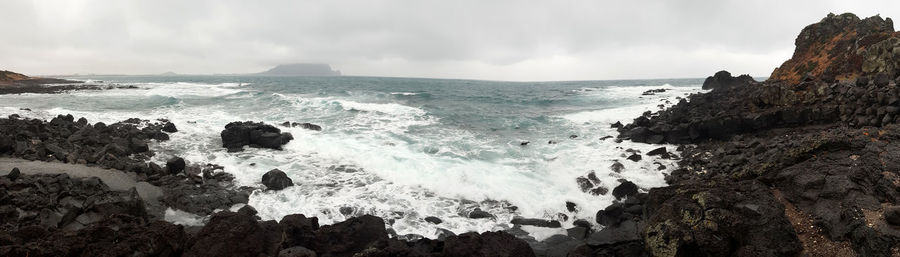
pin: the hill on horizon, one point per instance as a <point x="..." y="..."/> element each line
<point x="302" y="69"/>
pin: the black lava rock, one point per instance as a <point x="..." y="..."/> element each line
<point x="169" y="127"/>
<point x="433" y="220"/>
<point x="175" y="165"/>
<point x="276" y="180"/>
<point x="626" y="189"/>
<point x="255" y="134"/>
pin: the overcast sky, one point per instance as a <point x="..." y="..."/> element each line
<point x="495" y="40"/>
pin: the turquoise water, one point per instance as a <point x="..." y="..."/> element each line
<point x="417" y="147"/>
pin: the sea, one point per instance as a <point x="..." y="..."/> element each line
<point x="399" y="148"/>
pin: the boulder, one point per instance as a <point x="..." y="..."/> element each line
<point x="276" y="180"/>
<point x="724" y="80"/>
<point x="255" y="134"/>
<point x="617" y="167"/>
<point x="236" y="234"/>
<point x="299" y="230"/>
<point x="477" y="213"/>
<point x="634" y="157"/>
<point x="169" y="127"/>
<point x="657" y="151"/>
<point x="611" y="215"/>
<point x="488" y="244"/>
<point x="625" y="189"/>
<point x="175" y="165"/>
<point x="433" y="220"/>
<point x="13" y="174"/>
<point x="352" y="236"/>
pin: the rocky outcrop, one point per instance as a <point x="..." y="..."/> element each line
<point x="799" y="164"/>
<point x="55" y="215"/>
<point x="736" y="219"/>
<point x="255" y="134"/>
<point x="122" y="146"/>
<point x="841" y="47"/>
<point x="723" y="80"/>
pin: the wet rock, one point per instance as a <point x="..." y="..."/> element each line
<point x="351" y="236"/>
<point x="308" y="126"/>
<point x="175" y="165"/>
<point x="617" y="167"/>
<point x="524" y="143"/>
<point x="13" y="174"/>
<point x="657" y="151"/>
<point x="536" y="222"/>
<point x="236" y="234"/>
<point x="238" y="134"/>
<point x="635" y="157"/>
<point x="599" y="190"/>
<point x="276" y="180"/>
<point x="477" y="213"/>
<point x="488" y="244"/>
<point x="582" y="223"/>
<point x="625" y="189"/>
<point x="169" y="127"/>
<point x="184" y="194"/>
<point x="611" y="215"/>
<point x="618" y="124"/>
<point x="584" y="183"/>
<point x="299" y="230"/>
<point x="139" y="146"/>
<point x="433" y="220"/>
<point x="571" y="207"/>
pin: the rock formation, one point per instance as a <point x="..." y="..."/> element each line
<point x="842" y="47"/>
<point x="255" y="134"/>
<point x="802" y="164"/>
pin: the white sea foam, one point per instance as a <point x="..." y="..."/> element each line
<point x="179" y="217"/>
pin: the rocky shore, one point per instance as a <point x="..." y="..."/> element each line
<point x="803" y="164"/>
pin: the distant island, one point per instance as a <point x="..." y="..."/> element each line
<point x="302" y="69"/>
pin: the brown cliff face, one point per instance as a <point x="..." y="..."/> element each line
<point x="843" y="47"/>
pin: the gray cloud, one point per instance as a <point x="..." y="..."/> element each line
<point x="503" y="40"/>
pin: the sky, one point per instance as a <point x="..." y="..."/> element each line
<point x="491" y="40"/>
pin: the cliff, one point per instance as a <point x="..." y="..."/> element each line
<point x="302" y="69"/>
<point x="843" y="47"/>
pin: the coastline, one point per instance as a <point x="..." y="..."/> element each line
<point x="799" y="165"/>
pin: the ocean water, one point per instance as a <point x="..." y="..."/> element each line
<point x="399" y="148"/>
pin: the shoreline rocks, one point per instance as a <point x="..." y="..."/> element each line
<point x="254" y="134"/>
